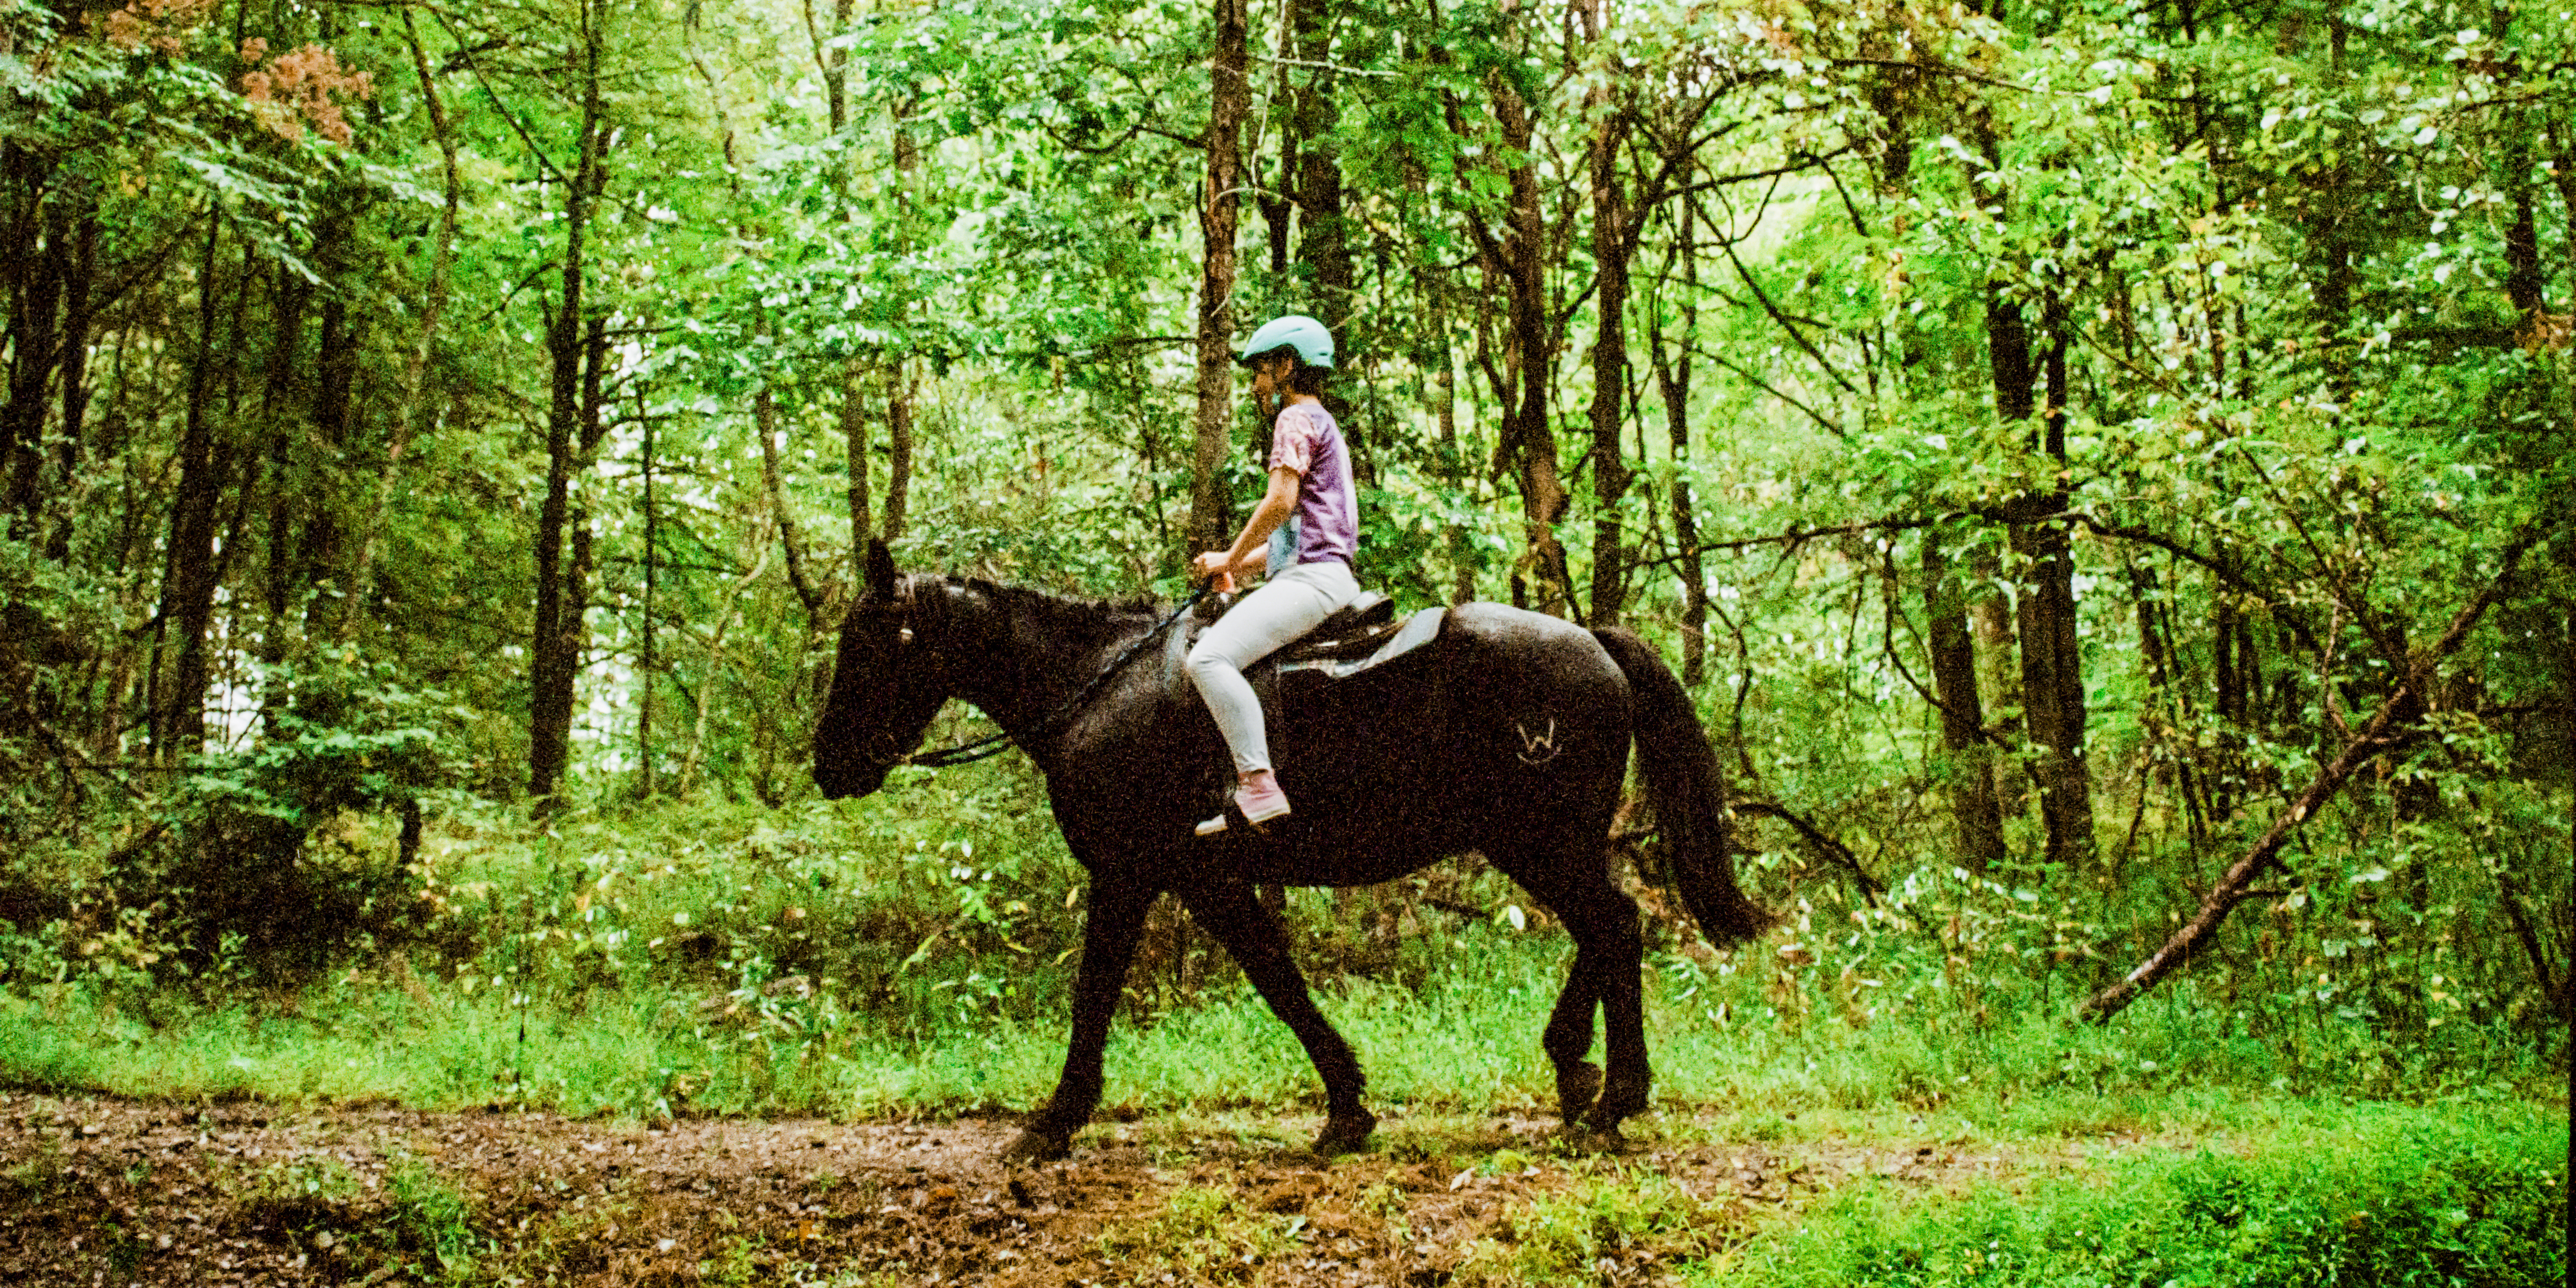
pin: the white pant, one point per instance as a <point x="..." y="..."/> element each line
<point x="1267" y="620"/>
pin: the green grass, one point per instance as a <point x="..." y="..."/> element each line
<point x="1461" y="1039"/>
<point x="2465" y="1194"/>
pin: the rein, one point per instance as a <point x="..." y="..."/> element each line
<point x="995" y="744"/>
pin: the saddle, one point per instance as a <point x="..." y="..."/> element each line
<point x="1360" y="636"/>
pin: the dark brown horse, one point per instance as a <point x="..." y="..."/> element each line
<point x="1508" y="736"/>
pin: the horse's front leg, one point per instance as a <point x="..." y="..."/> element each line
<point x="1228" y="911"/>
<point x="1108" y="944"/>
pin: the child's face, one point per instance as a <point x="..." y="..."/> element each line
<point x="1270" y="379"/>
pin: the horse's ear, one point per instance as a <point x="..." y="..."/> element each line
<point x="880" y="570"/>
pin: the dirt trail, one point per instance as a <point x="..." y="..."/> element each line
<point x="99" y="1191"/>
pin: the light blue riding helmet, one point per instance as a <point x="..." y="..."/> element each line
<point x="1314" y="344"/>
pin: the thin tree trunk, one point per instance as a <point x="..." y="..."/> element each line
<point x="188" y="587"/>
<point x="442" y="258"/>
<point x="1278" y="201"/>
<point x="854" y="446"/>
<point x="2524" y="283"/>
<point x="1610" y="473"/>
<point x="647" y="662"/>
<point x="1323" y="235"/>
<point x="75" y="381"/>
<point x="1230" y="96"/>
<point x="322" y="552"/>
<point x="1954" y="688"/>
<point x="764" y="420"/>
<point x="1673" y="381"/>
<point x="290" y="297"/>
<point x="899" y="401"/>
<point x="898" y="450"/>
<point x="40" y="251"/>
<point x="550" y="672"/>
<point x="2051" y="655"/>
<point x="1528" y="440"/>
<point x="577" y="576"/>
<point x="1444" y="412"/>
<point x="836" y="66"/>
<point x="2052" y="681"/>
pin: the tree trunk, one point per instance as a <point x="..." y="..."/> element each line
<point x="1444" y="412"/>
<point x="647" y="661"/>
<point x="1277" y="200"/>
<point x="2051" y="654"/>
<point x="1673" y="381"/>
<point x="575" y="621"/>
<point x="75" y="381"/>
<point x="836" y="67"/>
<point x="1610" y="474"/>
<point x="1954" y="688"/>
<point x="35" y="299"/>
<point x="2524" y="283"/>
<point x="188" y="587"/>
<point x="854" y="443"/>
<point x="907" y="160"/>
<point x="323" y="553"/>
<point x="1323" y="233"/>
<point x="290" y="297"/>
<point x="1230" y="96"/>
<point x="898" y="450"/>
<point x="550" y="670"/>
<point x="1528" y="440"/>
<point x="442" y="257"/>
<point x="764" y="422"/>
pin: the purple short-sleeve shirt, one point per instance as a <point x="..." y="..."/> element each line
<point x="1326" y="522"/>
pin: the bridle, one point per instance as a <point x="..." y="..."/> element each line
<point x="994" y="744"/>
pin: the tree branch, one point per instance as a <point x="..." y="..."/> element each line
<point x="2379" y="736"/>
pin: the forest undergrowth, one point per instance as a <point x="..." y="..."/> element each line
<point x="907" y="960"/>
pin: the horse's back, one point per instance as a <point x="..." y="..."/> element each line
<point x="1512" y="727"/>
<point x="1513" y="724"/>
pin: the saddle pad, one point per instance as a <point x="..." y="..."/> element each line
<point x="1418" y="630"/>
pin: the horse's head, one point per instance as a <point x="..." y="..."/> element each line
<point x="884" y="687"/>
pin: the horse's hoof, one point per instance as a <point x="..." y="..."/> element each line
<point x="1618" y="1103"/>
<point x="1345" y="1135"/>
<point x="1035" y="1146"/>
<point x="1577" y="1086"/>
<point x="1590" y="1139"/>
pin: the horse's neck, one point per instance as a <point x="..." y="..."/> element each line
<point x="1020" y="660"/>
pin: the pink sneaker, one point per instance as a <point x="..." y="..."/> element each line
<point x="1259" y="798"/>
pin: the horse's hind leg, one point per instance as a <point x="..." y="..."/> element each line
<point x="1228" y="911"/>
<point x="1108" y="944"/>
<point x="1609" y="955"/>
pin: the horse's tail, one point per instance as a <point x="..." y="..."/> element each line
<point x="1682" y="786"/>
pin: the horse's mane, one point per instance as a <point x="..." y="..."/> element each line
<point x="1053" y="620"/>
<point x="1047" y="603"/>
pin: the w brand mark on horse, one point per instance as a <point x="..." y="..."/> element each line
<point x="1538" y="749"/>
